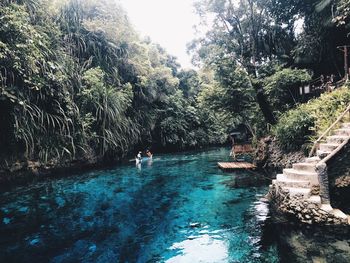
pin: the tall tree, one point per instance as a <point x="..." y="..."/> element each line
<point x="243" y="31"/>
<point x="243" y="34"/>
<point x="317" y="43"/>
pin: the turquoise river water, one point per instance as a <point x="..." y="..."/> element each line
<point x="176" y="208"/>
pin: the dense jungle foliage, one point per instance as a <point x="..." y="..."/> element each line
<point x="78" y="82"/>
<point x="280" y="46"/>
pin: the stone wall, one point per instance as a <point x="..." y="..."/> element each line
<point x="269" y="155"/>
<point x="339" y="179"/>
<point x="302" y="210"/>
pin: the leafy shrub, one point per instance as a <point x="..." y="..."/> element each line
<point x="279" y="88"/>
<point x="293" y="128"/>
<point x="327" y="109"/>
<point x="308" y="121"/>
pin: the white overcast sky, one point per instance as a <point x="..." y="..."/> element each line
<point x="167" y="22"/>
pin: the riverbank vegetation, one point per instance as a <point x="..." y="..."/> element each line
<point x="77" y="82"/>
<point x="282" y="48"/>
<point x="305" y="123"/>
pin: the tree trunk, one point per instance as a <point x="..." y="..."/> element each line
<point x="264" y="105"/>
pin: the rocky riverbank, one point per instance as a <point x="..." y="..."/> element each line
<point x="270" y="156"/>
<point x="26" y="170"/>
<point x="293" y="195"/>
<point x="309" y="211"/>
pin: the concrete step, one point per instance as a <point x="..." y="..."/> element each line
<point x="308" y="167"/>
<point x="342" y="131"/>
<point x="337" y="138"/>
<point x="328" y="147"/>
<point x="293" y="191"/>
<point x="346" y="125"/>
<point x="322" y="154"/>
<point x="326" y="207"/>
<point x="338" y="213"/>
<point x="314" y="159"/>
<point x="301" y="175"/>
<point x="283" y="181"/>
<point x="315" y="199"/>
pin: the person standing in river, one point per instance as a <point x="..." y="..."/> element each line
<point x="139" y="157"/>
<point x="149" y="154"/>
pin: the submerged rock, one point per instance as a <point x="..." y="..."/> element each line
<point x="300" y="243"/>
<point x="195" y="225"/>
<point x="34" y="241"/>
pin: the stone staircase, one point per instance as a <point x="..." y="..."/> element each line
<point x="302" y="181"/>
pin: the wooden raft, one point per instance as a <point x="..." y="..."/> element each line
<point x="236" y="165"/>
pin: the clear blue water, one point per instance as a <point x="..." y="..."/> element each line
<point x="176" y="208"/>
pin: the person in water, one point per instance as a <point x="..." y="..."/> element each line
<point x="149" y="154"/>
<point x="139" y="156"/>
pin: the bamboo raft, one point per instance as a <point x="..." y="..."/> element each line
<point x="235" y="165"/>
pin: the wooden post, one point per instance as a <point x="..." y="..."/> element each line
<point x="346" y="62"/>
<point x="346" y="67"/>
<point x="232" y="153"/>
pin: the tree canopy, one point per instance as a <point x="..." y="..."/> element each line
<point x="78" y="82"/>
